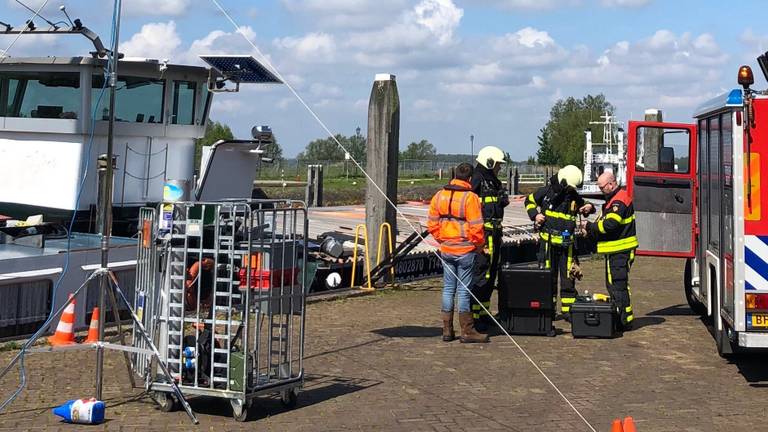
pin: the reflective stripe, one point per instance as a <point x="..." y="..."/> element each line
<point x="490" y="199"/>
<point x="628" y="309"/>
<point x="618" y="218"/>
<point x="620" y="245"/>
<point x="630" y="318"/>
<point x="458" y="243"/>
<point x="600" y="226"/>
<point x="433" y="218"/>
<point x="487" y="304"/>
<point x="608" y="271"/>
<point x="569" y="263"/>
<point x="568" y="300"/>
<point x="475" y="307"/>
<point x="475" y="221"/>
<point x="565" y="309"/>
<point x="555" y="239"/>
<point x="559" y="215"/>
<point x="462" y="205"/>
<point x="490" y="251"/>
<point x="530" y="206"/>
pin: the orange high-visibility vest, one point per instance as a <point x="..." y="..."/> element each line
<point x="455" y="219"/>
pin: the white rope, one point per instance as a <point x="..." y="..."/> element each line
<point x="5" y="51"/>
<point x="399" y="212"/>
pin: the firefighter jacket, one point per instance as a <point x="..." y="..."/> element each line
<point x="455" y="220"/>
<point x="560" y="206"/>
<point x="492" y="195"/>
<point x="615" y="227"/>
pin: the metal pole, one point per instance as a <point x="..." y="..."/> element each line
<point x="471" y="146"/>
<point x="106" y="203"/>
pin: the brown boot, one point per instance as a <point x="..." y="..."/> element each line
<point x="448" y="333"/>
<point x="468" y="332"/>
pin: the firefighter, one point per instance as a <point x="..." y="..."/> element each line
<point x="486" y="184"/>
<point x="456" y="222"/>
<point x="554" y="208"/>
<point x="614" y="230"/>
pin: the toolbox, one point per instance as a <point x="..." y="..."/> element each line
<point x="526" y="300"/>
<point x="596" y="319"/>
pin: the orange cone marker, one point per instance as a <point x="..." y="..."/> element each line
<point x="629" y="425"/>
<point x="93" y="329"/>
<point x="616" y="426"/>
<point x="65" y="331"/>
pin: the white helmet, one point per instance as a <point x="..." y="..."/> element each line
<point x="489" y="156"/>
<point x="572" y="176"/>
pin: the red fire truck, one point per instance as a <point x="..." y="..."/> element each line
<point x="698" y="191"/>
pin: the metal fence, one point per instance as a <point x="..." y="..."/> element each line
<point x="295" y="169"/>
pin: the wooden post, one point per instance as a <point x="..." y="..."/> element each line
<point x="382" y="161"/>
<point x="653" y="141"/>
<point x="516" y="183"/>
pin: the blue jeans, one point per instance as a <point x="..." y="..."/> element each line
<point x="455" y="269"/>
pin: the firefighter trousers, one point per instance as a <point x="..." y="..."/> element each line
<point x="617" y="268"/>
<point x="560" y="259"/>
<point x="487" y="275"/>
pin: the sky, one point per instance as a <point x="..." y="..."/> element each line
<point x="488" y="68"/>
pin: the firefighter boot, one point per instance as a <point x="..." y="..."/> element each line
<point x="468" y="333"/>
<point x="448" y="333"/>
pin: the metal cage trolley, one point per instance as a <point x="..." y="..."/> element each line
<point x="221" y="288"/>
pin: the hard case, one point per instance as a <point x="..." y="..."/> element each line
<point x="526" y="300"/>
<point x="596" y="319"/>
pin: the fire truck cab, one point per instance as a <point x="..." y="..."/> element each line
<point x="698" y="191"/>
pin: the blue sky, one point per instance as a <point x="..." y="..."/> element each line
<point x="492" y="68"/>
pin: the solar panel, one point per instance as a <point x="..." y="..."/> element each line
<point x="241" y="69"/>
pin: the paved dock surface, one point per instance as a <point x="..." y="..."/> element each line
<point x="376" y="363"/>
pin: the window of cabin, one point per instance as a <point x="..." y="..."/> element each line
<point x="48" y="95"/>
<point x="139" y="99"/>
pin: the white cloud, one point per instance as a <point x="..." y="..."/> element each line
<point x="347" y="14"/>
<point x="528" y="47"/>
<point x="626" y="3"/>
<point x="756" y="42"/>
<point x="313" y="47"/>
<point x="154" y="40"/>
<point x="440" y="17"/>
<point x="157" y="7"/>
<point x="536" y="5"/>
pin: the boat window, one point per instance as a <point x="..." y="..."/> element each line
<point x="139" y="99"/>
<point x="184" y="93"/>
<point x="662" y="150"/>
<point x="49" y="95"/>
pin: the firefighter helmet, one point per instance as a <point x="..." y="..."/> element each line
<point x="571" y="175"/>
<point x="489" y="156"/>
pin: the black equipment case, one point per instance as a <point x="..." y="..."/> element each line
<point x="597" y="319"/>
<point x="527" y="300"/>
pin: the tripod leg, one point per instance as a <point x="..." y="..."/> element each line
<point x="143" y="333"/>
<point x="116" y="313"/>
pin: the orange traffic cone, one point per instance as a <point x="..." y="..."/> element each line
<point x="93" y="329"/>
<point x="65" y="331"/>
<point x="616" y="426"/>
<point x="629" y="424"/>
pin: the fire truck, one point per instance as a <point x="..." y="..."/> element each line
<point x="698" y="191"/>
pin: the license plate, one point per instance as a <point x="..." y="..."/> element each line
<point x="759" y="320"/>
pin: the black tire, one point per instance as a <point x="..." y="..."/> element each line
<point x="290" y="398"/>
<point x="725" y="348"/>
<point x="166" y="402"/>
<point x="696" y="306"/>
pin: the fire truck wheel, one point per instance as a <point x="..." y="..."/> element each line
<point x="696" y="306"/>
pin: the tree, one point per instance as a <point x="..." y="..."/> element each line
<point x="545" y="155"/>
<point x="357" y="147"/>
<point x="564" y="132"/>
<point x="214" y="131"/>
<point x="422" y="150"/>
<point x="324" y="149"/>
<point x="273" y="150"/>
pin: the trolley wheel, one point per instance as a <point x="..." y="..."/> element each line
<point x="290" y="398"/>
<point x="166" y="401"/>
<point x="240" y="409"/>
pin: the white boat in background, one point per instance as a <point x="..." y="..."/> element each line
<point x="607" y="156"/>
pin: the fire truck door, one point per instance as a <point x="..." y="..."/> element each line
<point x="661" y="178"/>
